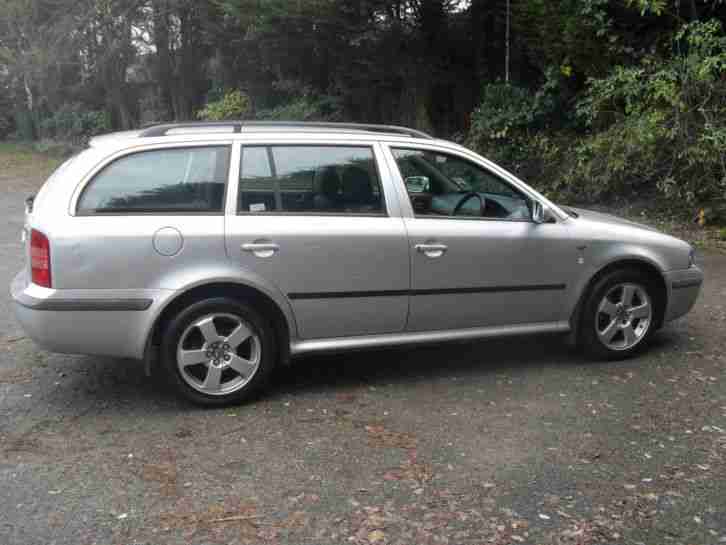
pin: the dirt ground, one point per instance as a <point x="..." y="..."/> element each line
<point x="511" y="441"/>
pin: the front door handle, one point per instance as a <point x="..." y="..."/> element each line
<point x="432" y="250"/>
<point x="261" y="249"/>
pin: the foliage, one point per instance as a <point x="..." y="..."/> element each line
<point x="6" y="126"/>
<point x="660" y="124"/>
<point x="304" y="108"/>
<point x="508" y="127"/>
<point x="71" y="122"/>
<point x="25" y="124"/>
<point x="233" y="105"/>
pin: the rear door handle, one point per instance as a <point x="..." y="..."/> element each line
<point x="432" y="250"/>
<point x="261" y="249"/>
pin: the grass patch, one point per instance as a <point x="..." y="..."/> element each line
<point x="21" y="163"/>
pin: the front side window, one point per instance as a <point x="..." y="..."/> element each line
<point x="309" y="179"/>
<point x="440" y="184"/>
<point x="179" y="180"/>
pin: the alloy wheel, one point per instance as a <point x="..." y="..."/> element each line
<point x="218" y="354"/>
<point x="624" y="316"/>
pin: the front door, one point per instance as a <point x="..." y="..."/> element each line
<point x="319" y="222"/>
<point x="477" y="258"/>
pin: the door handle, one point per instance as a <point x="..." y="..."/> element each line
<point x="261" y="249"/>
<point x="432" y="250"/>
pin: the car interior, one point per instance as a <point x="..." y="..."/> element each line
<point x="331" y="187"/>
<point x="441" y="185"/>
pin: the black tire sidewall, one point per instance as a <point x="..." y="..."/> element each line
<point x="178" y="325"/>
<point x="589" y="340"/>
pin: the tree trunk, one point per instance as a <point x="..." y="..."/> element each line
<point x="694" y="11"/>
<point x="164" y="69"/>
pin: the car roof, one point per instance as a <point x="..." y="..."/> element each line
<point x="245" y="129"/>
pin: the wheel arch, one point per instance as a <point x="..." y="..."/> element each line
<point x="637" y="263"/>
<point x="280" y="321"/>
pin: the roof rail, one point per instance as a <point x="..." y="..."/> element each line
<point x="238" y="126"/>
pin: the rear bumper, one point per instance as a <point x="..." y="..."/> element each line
<point x="683" y="289"/>
<point x="97" y="322"/>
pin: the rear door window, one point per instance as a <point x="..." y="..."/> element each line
<point x="178" y="180"/>
<point x="309" y="180"/>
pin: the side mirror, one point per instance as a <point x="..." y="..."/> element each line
<point x="540" y="213"/>
<point x="417" y="184"/>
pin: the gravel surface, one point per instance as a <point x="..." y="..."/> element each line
<point x="516" y="441"/>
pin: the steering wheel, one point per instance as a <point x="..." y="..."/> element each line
<point x="465" y="198"/>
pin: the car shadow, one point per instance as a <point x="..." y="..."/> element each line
<point x="121" y="385"/>
<point x="425" y="363"/>
<point x="470" y="360"/>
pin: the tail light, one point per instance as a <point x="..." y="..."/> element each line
<point x="40" y="259"/>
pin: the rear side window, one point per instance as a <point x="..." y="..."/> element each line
<point x="309" y="179"/>
<point x="179" y="180"/>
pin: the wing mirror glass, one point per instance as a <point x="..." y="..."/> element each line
<point x="540" y="213"/>
<point x="417" y="184"/>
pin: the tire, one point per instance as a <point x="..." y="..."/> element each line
<point x="620" y="315"/>
<point x="218" y="352"/>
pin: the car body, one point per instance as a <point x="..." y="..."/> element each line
<point x="311" y="227"/>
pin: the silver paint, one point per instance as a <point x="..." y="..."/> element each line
<point x="168" y="241"/>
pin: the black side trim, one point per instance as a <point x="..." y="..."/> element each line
<point x="84" y="304"/>
<point x="686" y="284"/>
<point x="348" y="294"/>
<point x="490" y="289"/>
<point x="442" y="291"/>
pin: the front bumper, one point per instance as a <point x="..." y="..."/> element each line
<point x="96" y="322"/>
<point x="683" y="289"/>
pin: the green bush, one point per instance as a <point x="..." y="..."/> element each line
<point x="232" y="105"/>
<point x="6" y="126"/>
<point x="25" y="125"/>
<point x="656" y="129"/>
<point x="658" y="126"/>
<point x="507" y="127"/>
<point x="304" y="108"/>
<point x="71" y="122"/>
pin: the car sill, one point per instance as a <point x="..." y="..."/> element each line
<point x="302" y="347"/>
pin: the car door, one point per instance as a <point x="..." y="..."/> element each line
<point x="322" y="223"/>
<point x="477" y="258"/>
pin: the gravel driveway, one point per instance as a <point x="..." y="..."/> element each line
<point x="516" y="441"/>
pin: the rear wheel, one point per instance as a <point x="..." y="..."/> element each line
<point x="218" y="351"/>
<point x="620" y="315"/>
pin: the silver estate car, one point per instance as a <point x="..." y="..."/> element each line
<point x="220" y="250"/>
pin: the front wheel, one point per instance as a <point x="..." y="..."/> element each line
<point x="218" y="351"/>
<point x="619" y="316"/>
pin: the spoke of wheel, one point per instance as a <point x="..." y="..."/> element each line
<point x="238" y="336"/>
<point x="642" y="311"/>
<point x="628" y="292"/>
<point x="208" y="329"/>
<point x="192" y="357"/>
<point x="630" y="336"/>
<point x="609" y="332"/>
<point x="242" y="366"/>
<point x="608" y="308"/>
<point x="213" y="380"/>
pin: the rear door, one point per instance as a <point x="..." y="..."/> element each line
<point x="322" y="223"/>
